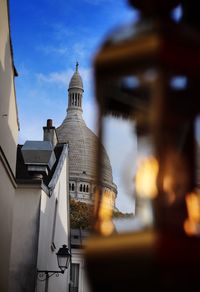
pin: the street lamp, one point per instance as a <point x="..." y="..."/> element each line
<point x="147" y="78"/>
<point x="63" y="258"/>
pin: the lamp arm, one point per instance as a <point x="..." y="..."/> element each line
<point x="44" y="275"/>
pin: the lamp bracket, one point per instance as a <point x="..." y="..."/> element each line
<point x="44" y="275"/>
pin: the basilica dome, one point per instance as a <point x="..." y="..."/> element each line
<point x="82" y="147"/>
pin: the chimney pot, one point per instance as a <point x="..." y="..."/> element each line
<point x="49" y="123"/>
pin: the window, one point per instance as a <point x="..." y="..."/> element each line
<point x="53" y="246"/>
<point x="87" y="189"/>
<point x="77" y="99"/>
<point x="74" y="278"/>
<point x="72" y="187"/>
<point x="84" y="188"/>
<point x="81" y="188"/>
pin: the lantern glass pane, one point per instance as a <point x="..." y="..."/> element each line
<point x="145" y="115"/>
<point x="126" y="152"/>
<point x="62" y="262"/>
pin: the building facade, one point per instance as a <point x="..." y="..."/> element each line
<point x="40" y="221"/>
<point x="9" y="127"/>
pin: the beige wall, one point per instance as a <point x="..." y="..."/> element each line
<point x="7" y="192"/>
<point x="8" y="142"/>
<point x="25" y="238"/>
<point x="8" y="108"/>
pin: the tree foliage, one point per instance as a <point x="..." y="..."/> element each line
<point x="81" y="214"/>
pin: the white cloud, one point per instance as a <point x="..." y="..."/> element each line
<point x="63" y="77"/>
<point x="59" y="50"/>
<point x="23" y="70"/>
<point x="79" y="50"/>
<point x="31" y="130"/>
<point x="53" y="77"/>
<point x="61" y="31"/>
<point x="97" y="2"/>
<point x="90" y="113"/>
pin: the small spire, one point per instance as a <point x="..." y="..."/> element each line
<point x="77" y="64"/>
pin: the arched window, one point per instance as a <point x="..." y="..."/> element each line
<point x="87" y="189"/>
<point x="69" y="100"/>
<point x="72" y="187"/>
<point x="81" y="188"/>
<point x="75" y="103"/>
<point x="78" y="100"/>
<point x="84" y="188"/>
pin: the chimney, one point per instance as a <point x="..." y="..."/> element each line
<point x="50" y="133"/>
<point x="39" y="157"/>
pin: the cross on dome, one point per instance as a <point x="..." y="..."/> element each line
<point x="77" y="64"/>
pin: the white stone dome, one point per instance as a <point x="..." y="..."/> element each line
<point x="83" y="144"/>
<point x="83" y="149"/>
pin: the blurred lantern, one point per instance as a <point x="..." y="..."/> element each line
<point x="146" y="75"/>
<point x="143" y="76"/>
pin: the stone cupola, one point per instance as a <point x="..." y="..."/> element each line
<point x="75" y="91"/>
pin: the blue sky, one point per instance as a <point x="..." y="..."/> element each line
<point x="48" y="37"/>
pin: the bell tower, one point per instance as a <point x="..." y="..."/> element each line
<point x="75" y="91"/>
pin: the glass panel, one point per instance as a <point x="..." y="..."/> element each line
<point x="74" y="283"/>
<point x="62" y="261"/>
<point x="121" y="158"/>
<point x="143" y="117"/>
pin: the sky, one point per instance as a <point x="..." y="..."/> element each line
<point x="49" y="37"/>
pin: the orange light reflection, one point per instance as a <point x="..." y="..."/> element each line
<point x="192" y="223"/>
<point x="105" y="214"/>
<point x="146" y="176"/>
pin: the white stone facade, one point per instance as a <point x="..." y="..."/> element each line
<point x="40" y="227"/>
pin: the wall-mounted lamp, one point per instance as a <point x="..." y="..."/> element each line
<point x="63" y="258"/>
